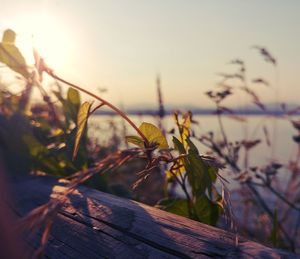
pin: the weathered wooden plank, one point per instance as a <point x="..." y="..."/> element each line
<point x="86" y="239"/>
<point x="93" y="224"/>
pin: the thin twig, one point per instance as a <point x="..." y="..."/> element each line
<point x="114" y="108"/>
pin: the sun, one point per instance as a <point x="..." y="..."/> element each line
<point x="49" y="37"/>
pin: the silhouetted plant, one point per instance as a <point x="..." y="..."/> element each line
<point x="258" y="179"/>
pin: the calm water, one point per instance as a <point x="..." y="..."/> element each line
<point x="283" y="147"/>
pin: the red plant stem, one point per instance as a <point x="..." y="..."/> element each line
<point x="114" y="108"/>
<point x="96" y="108"/>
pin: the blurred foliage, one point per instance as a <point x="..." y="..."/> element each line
<point x="52" y="138"/>
<point x="38" y="141"/>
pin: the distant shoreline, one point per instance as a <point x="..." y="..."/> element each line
<point x="199" y="112"/>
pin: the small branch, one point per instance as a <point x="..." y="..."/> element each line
<point x="256" y="194"/>
<point x="282" y="198"/>
<point x="114" y="108"/>
<point x="96" y="108"/>
<point x="188" y="197"/>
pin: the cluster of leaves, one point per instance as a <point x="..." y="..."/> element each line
<point x="202" y="201"/>
<point x="40" y="136"/>
<point x="38" y="141"/>
<point x="186" y="168"/>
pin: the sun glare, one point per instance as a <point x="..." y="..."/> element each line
<point x="49" y="37"/>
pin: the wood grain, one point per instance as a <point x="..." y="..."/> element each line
<point x="92" y="224"/>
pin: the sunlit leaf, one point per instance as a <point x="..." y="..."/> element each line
<point x="154" y="135"/>
<point x="184" y="127"/>
<point x="73" y="96"/>
<point x="81" y="124"/>
<point x="10" y="54"/>
<point x="171" y="176"/>
<point x="185" y="132"/>
<point x="70" y="105"/>
<point x="135" y="140"/>
<point x="9" y="36"/>
<point x="57" y="132"/>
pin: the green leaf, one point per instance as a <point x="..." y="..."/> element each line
<point x="154" y="135"/>
<point x="10" y="54"/>
<point x="35" y="147"/>
<point x="192" y="148"/>
<point x="178" y="145"/>
<point x="185" y="128"/>
<point x="82" y="117"/>
<point x="176" y="206"/>
<point x="9" y="36"/>
<point x="207" y="211"/>
<point x="70" y="105"/>
<point x="200" y="175"/>
<point x="213" y="173"/>
<point x="135" y="140"/>
<point x="73" y="96"/>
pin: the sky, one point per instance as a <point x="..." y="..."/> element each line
<point x="123" y="45"/>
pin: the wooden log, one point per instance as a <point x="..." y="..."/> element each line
<point x="92" y="224"/>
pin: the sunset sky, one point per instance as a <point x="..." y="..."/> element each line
<point x="122" y="45"/>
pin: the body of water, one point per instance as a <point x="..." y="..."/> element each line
<point x="280" y="133"/>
